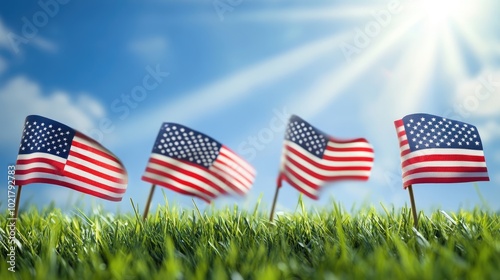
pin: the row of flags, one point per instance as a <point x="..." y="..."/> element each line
<point x="433" y="150"/>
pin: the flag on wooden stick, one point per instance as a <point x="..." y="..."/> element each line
<point x="192" y="163"/>
<point x="53" y="153"/>
<point x="439" y="150"/>
<point x="311" y="158"/>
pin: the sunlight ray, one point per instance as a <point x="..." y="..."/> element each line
<point x="407" y="91"/>
<point x="453" y="61"/>
<point x="230" y="89"/>
<point x="334" y="12"/>
<point x="330" y="86"/>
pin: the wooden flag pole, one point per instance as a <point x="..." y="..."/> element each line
<point x="18" y="198"/>
<point x="278" y="187"/>
<point x="413" y="207"/>
<point x="148" y="203"/>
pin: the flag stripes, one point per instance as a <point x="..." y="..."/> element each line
<point x="441" y="164"/>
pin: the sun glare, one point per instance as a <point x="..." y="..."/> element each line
<point x="440" y="12"/>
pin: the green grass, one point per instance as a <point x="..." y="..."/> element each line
<point x="234" y="244"/>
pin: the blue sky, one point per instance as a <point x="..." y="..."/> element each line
<point x="236" y="69"/>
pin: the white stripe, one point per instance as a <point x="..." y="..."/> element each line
<point x="445" y="175"/>
<point x="443" y="152"/>
<point x="176" y="184"/>
<point x="348" y="154"/>
<point x="96" y="156"/>
<point x="23" y="167"/>
<point x="223" y="172"/>
<point x="37" y="175"/>
<point x="96" y="167"/>
<point x="331" y="173"/>
<point x="230" y="154"/>
<point x="304" y="175"/>
<point x="95" y="178"/>
<point x="358" y="144"/>
<point x="184" y="177"/>
<point x="33" y="156"/>
<point x="229" y="160"/>
<point x="324" y="162"/>
<point x="444" y="164"/>
<point x="198" y="170"/>
<point x="232" y="170"/>
<point x="305" y="187"/>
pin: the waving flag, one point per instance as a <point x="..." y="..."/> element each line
<point x="439" y="150"/>
<point x="53" y="153"/>
<point x="311" y="158"/>
<point x="192" y="163"/>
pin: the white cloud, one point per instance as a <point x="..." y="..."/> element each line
<point x="21" y="97"/>
<point x="149" y="49"/>
<point x="489" y="131"/>
<point x="480" y="96"/>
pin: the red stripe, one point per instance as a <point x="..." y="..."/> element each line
<point x="445" y="180"/>
<point x="169" y="176"/>
<point x="189" y="173"/>
<point x="347" y="159"/>
<point x="96" y="162"/>
<point x="300" y="178"/>
<point x="241" y="170"/>
<point x="439" y="157"/>
<point x="94" y="150"/>
<point x="352" y="149"/>
<point x="160" y="183"/>
<point x="328" y="178"/>
<point x="96" y="173"/>
<point x="247" y="183"/>
<point x="314" y="163"/>
<point x="37" y="170"/>
<point x="68" y="185"/>
<point x="456" y="169"/>
<point x="299" y="188"/>
<point x="347" y="141"/>
<point x="225" y="180"/>
<point x="56" y="164"/>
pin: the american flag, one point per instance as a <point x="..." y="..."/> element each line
<point x="439" y="150"/>
<point x="192" y="163"/>
<point x="53" y="153"/>
<point x="311" y="158"/>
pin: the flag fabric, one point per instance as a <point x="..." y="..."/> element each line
<point x="53" y="153"/>
<point x="439" y="150"/>
<point x="311" y="158"/>
<point x="192" y="163"/>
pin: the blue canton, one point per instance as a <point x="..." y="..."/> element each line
<point x="179" y="142"/>
<point x="426" y="131"/>
<point x="306" y="136"/>
<point x="42" y="135"/>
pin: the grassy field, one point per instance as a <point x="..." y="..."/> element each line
<point x="233" y="244"/>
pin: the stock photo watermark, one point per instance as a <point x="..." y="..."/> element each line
<point x="32" y="25"/>
<point x="12" y="219"/>
<point x="258" y="142"/>
<point x="485" y="89"/>
<point x="127" y="102"/>
<point x="363" y="36"/>
<point x="223" y="6"/>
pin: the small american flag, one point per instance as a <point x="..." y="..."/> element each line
<point x="53" y="153"/>
<point x="192" y="163"/>
<point x="439" y="150"/>
<point x="311" y="158"/>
